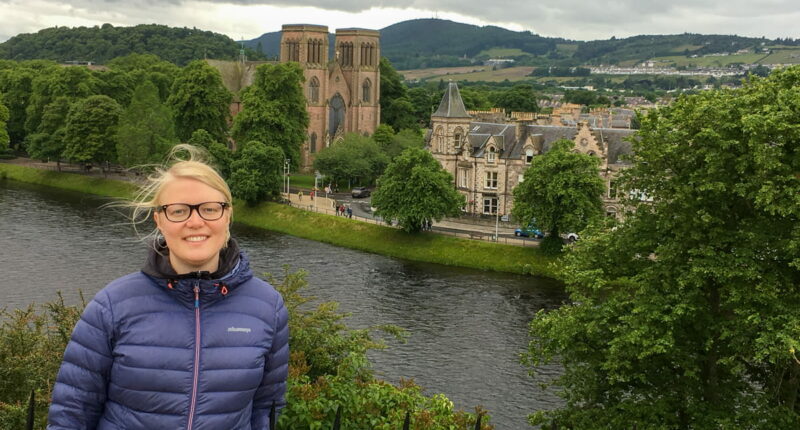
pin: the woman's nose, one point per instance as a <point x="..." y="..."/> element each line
<point x="194" y="218"/>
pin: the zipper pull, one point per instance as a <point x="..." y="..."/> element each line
<point x="196" y="296"/>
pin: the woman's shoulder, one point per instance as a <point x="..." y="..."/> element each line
<point x="125" y="287"/>
<point x="260" y="289"/>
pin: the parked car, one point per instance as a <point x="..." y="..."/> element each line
<point x="529" y="231"/>
<point x="359" y="192"/>
<point x="570" y="237"/>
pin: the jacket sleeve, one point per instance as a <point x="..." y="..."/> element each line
<point x="79" y="394"/>
<point x="276" y="370"/>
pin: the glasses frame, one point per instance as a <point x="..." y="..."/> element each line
<point x="196" y="208"/>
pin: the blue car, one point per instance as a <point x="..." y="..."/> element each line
<point x="529" y="231"/>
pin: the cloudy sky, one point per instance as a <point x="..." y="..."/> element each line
<point x="572" y="19"/>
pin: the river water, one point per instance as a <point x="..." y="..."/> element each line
<point x="466" y="327"/>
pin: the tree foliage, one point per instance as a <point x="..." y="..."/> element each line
<point x="221" y="156"/>
<point x="48" y="143"/>
<point x="274" y="110"/>
<point x="146" y="130"/>
<point x="199" y="100"/>
<point x="519" y="98"/>
<point x="415" y="188"/>
<point x="256" y="172"/>
<point x="4" y="115"/>
<point x="685" y="315"/>
<point x="356" y="159"/>
<point x="561" y="192"/>
<point x="91" y="130"/>
<point x="397" y="109"/>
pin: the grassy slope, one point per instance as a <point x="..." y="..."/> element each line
<point x="339" y="231"/>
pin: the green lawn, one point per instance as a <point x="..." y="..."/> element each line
<point x="503" y="52"/>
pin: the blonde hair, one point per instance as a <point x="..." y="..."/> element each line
<point x="183" y="161"/>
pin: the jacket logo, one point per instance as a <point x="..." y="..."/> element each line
<point x="238" y="330"/>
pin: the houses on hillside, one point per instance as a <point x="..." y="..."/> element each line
<point x="488" y="158"/>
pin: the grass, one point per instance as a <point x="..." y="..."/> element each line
<point x="302" y="181"/>
<point x="722" y="61"/>
<point x="503" y="52"/>
<point x="511" y="73"/>
<point x="378" y="239"/>
<point x="782" y="56"/>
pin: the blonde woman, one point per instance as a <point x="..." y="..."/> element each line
<point x="193" y="340"/>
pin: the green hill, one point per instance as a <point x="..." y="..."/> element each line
<point x="100" y="44"/>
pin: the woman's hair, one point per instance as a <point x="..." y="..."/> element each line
<point x="183" y="161"/>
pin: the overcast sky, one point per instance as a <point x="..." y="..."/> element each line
<point x="572" y="19"/>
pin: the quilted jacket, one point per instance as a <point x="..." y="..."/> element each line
<point x="156" y="350"/>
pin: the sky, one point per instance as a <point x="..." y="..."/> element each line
<point x="571" y="19"/>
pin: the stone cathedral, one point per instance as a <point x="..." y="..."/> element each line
<point x="342" y="92"/>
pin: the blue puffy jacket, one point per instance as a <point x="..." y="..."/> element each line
<point x="155" y="350"/>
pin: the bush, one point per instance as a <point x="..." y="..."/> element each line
<point x="328" y="368"/>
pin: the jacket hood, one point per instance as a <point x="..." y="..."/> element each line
<point x="234" y="269"/>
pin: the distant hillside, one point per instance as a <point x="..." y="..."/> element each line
<point x="101" y="44"/>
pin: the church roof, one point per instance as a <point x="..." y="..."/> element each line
<point x="451" y="105"/>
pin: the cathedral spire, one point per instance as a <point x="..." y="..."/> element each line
<point x="451" y="105"/>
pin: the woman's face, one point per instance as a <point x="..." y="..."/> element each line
<point x="194" y="244"/>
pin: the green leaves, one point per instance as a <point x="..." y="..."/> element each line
<point x="256" y="172"/>
<point x="200" y="101"/>
<point x="414" y="189"/>
<point x="91" y="129"/>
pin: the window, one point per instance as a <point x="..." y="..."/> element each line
<point x="490" y="156"/>
<point x="491" y="180"/>
<point x="462" y="178"/>
<point x="490" y="206"/>
<point x="612" y="189"/>
<point x="365" y="91"/>
<point x="520" y="178"/>
<point x="313" y="143"/>
<point x="439" y="140"/>
<point x="457" y="139"/>
<point x="528" y="156"/>
<point x="313" y="90"/>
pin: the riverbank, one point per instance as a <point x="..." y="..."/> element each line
<point x="425" y="247"/>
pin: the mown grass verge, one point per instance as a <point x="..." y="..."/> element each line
<point x="384" y="240"/>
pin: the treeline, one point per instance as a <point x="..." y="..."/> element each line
<point x="100" y="44"/>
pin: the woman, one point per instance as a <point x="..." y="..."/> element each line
<point x="193" y="340"/>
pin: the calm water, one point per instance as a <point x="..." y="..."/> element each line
<point x="466" y="327"/>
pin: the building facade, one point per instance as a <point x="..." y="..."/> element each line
<point x="342" y="93"/>
<point x="488" y="159"/>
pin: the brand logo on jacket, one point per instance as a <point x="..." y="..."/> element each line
<point x="238" y="330"/>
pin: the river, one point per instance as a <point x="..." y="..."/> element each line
<point x="466" y="327"/>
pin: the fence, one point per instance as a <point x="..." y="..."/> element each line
<point x="474" y="235"/>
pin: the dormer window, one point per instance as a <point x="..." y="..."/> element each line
<point x="490" y="155"/>
<point x="528" y="156"/>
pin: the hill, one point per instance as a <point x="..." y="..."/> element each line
<point x="100" y="44"/>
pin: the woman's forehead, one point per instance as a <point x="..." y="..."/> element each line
<point x="188" y="190"/>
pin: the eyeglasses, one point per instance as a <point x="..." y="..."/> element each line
<point x="179" y="212"/>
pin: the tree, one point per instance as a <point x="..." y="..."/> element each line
<point x="221" y="156"/>
<point x="146" y="130"/>
<point x="685" y="315"/>
<point x="520" y="98"/>
<point x="561" y="192"/>
<point x="199" y="100"/>
<point x="4" y="115"/>
<point x="415" y="188"/>
<point x="274" y="110"/>
<point x="407" y="138"/>
<point x="256" y="172"/>
<point x="356" y="159"/>
<point x="48" y="143"/>
<point x="91" y="130"/>
<point x="396" y="107"/>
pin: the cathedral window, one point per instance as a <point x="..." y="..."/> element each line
<point x="313" y="90"/>
<point x="313" y="143"/>
<point x="365" y="91"/>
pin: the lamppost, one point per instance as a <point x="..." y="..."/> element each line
<point x="286" y="164"/>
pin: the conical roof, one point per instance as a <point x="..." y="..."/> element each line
<point x="451" y="105"/>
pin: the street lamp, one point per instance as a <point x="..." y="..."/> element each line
<point x="286" y="165"/>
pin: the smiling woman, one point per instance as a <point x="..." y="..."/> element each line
<point x="193" y="339"/>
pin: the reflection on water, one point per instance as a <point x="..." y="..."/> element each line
<point x="466" y="327"/>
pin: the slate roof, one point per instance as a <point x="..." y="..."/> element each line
<point x="451" y="105"/>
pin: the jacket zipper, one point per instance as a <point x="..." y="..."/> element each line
<point x="193" y="403"/>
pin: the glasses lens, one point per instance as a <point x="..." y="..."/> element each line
<point x="177" y="212"/>
<point x="211" y="211"/>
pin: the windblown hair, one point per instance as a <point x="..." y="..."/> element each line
<point x="183" y="161"/>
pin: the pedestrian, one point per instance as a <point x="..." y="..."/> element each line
<point x="193" y="340"/>
<point x="300" y="196"/>
<point x="349" y="212"/>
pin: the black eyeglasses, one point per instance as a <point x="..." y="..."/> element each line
<point x="179" y="212"/>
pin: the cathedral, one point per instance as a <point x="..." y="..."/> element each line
<point x="342" y="93"/>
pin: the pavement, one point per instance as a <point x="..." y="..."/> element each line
<point x="362" y="212"/>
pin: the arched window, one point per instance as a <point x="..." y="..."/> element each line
<point x="491" y="155"/>
<point x="313" y="90"/>
<point x="439" y="137"/>
<point x="313" y="143"/>
<point x="458" y="136"/>
<point x="365" y="91"/>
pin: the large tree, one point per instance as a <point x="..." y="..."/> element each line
<point x="356" y="159"/>
<point x="48" y="143"/>
<point x="199" y="100"/>
<point x="4" y="115"/>
<point x="146" y="131"/>
<point x="686" y="315"/>
<point x="415" y="188"/>
<point x="221" y="156"/>
<point x="561" y="192"/>
<point x="256" y="172"/>
<point x="396" y="107"/>
<point x="91" y="130"/>
<point x="274" y="110"/>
